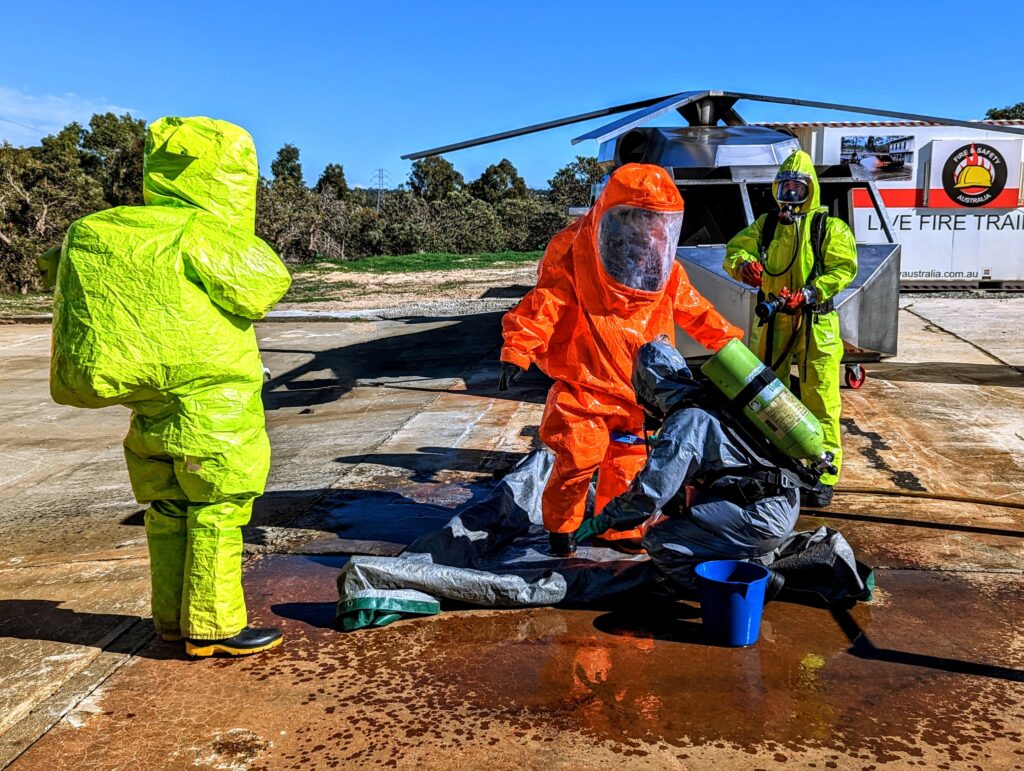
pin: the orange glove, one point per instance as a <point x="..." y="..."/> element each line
<point x="795" y="300"/>
<point x="751" y="272"/>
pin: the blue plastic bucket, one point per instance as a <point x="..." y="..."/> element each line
<point x="731" y="600"/>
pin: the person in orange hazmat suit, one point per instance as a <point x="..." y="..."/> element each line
<point x="607" y="284"/>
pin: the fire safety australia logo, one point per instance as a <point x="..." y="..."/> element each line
<point x="974" y="175"/>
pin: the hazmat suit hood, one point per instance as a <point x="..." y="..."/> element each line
<point x="203" y="163"/>
<point x="799" y="165"/>
<point x="637" y="186"/>
<point x="661" y="379"/>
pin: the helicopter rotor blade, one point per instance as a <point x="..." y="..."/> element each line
<point x="634" y="119"/>
<point x="646" y="109"/>
<point x="557" y="123"/>
<point x="879" y="111"/>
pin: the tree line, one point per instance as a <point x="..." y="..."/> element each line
<point x="82" y="169"/>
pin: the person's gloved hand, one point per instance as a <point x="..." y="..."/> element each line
<point x="796" y="300"/>
<point x="510" y="373"/>
<point x="751" y="272"/>
<point x="592" y="527"/>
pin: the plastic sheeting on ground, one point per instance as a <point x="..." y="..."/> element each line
<point x="495" y="554"/>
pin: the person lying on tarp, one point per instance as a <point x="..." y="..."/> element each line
<point x="720" y="498"/>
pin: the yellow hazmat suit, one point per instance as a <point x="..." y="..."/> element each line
<point x="789" y="264"/>
<point x="153" y="310"/>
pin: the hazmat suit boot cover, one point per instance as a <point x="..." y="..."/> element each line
<point x="789" y="263"/>
<point x="153" y="309"/>
<point x="582" y="326"/>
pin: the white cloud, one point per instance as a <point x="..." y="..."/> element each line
<point x="42" y="115"/>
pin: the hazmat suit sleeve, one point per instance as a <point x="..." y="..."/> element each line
<point x="239" y="272"/>
<point x="744" y="247"/>
<point x="840" y="260"/>
<point x="528" y="327"/>
<point x="698" y="316"/>
<point x="48" y="262"/>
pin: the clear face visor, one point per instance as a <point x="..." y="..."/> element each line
<point x="638" y="246"/>
<point x="793" y="191"/>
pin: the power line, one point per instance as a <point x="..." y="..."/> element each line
<point x="24" y="125"/>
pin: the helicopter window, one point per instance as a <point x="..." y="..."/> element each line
<point x="714" y="214"/>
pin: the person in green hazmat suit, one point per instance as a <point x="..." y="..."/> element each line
<point x="804" y="258"/>
<point x="153" y="309"/>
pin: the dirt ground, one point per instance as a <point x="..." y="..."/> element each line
<point x="348" y="291"/>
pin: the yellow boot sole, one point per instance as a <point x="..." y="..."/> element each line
<point x="204" y="651"/>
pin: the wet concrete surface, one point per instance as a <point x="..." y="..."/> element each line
<point x="71" y="534"/>
<point x="880" y="684"/>
<point x="372" y="450"/>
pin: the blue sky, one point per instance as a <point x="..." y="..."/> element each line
<point x="362" y="83"/>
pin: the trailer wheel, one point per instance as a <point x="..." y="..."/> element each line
<point x="855" y="376"/>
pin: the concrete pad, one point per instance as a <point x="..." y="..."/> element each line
<point x="55" y="620"/>
<point x="441" y="459"/>
<point x="924" y="534"/>
<point x="994" y="326"/>
<point x="380" y="430"/>
<point x="941" y="419"/>
<point x="882" y="684"/>
<point x="336" y="389"/>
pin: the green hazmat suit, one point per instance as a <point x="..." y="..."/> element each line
<point x="789" y="263"/>
<point x="153" y="309"/>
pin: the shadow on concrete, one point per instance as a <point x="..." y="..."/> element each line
<point x="384" y="516"/>
<point x="532" y="388"/>
<point x="138" y="519"/>
<point x="444" y="351"/>
<point x="317" y="614"/>
<point x="379" y="516"/>
<point x="953" y="373"/>
<point x="113" y="633"/>
<point x="513" y="291"/>
<point x="899" y="521"/>
<point x="862" y="647"/>
<point x="427" y="462"/>
<point x="654" y="620"/>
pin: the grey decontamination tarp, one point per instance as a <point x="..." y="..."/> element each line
<point x="494" y="553"/>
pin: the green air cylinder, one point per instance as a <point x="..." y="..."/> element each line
<point x="751" y="386"/>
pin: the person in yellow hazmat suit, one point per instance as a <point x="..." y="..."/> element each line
<point x="805" y="258"/>
<point x="153" y="309"/>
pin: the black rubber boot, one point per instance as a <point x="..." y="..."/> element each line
<point x="562" y="544"/>
<point x="818" y="499"/>
<point x="250" y="640"/>
<point x="775" y="584"/>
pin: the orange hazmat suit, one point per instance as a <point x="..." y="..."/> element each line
<point x="607" y="284"/>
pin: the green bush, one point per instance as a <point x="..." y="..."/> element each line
<point x="529" y="223"/>
<point x="463" y="225"/>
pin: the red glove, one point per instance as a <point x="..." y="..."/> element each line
<point x="750" y="273"/>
